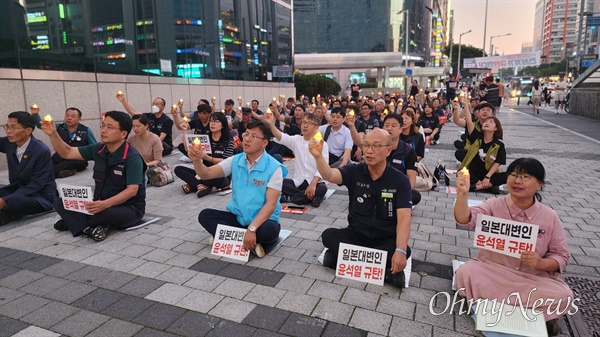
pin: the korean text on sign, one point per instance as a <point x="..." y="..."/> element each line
<point x="204" y="142"/>
<point x="504" y="236"/>
<point x="229" y="242"/>
<point x="75" y="198"/>
<point x="361" y="264"/>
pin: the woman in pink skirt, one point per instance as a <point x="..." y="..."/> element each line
<point x="534" y="276"/>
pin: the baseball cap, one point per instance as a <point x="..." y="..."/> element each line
<point x="246" y="110"/>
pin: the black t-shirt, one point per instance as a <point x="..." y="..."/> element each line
<point x="428" y="122"/>
<point x="478" y="162"/>
<point x="417" y="143"/>
<point x="161" y="124"/>
<point x="414" y="90"/>
<point x="220" y="149"/>
<point x="403" y="157"/>
<point x="373" y="204"/>
<point x="199" y="128"/>
<point x="354" y="89"/>
<point x="451" y="90"/>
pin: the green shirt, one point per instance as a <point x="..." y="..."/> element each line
<point x="135" y="174"/>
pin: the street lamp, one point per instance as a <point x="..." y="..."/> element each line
<point x="485" y="27"/>
<point x="492" y="39"/>
<point x="406" y="50"/>
<point x="459" y="47"/>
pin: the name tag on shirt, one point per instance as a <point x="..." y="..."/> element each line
<point x="396" y="161"/>
<point x="117" y="172"/>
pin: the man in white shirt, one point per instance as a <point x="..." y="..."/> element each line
<point x="560" y="90"/>
<point x="338" y="138"/>
<point x="307" y="185"/>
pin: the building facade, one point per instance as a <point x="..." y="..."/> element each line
<point x="218" y="39"/>
<point x="559" y="29"/>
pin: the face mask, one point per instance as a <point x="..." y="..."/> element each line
<point x="155" y="109"/>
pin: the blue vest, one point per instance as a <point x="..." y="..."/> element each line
<point x="250" y="188"/>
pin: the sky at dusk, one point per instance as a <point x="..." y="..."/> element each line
<point x="504" y="16"/>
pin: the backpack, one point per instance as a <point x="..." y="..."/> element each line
<point x="425" y="180"/>
<point x="160" y="175"/>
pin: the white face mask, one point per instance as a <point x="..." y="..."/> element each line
<point x="155" y="109"/>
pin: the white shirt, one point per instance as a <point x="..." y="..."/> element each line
<point x="560" y="85"/>
<point x="21" y="150"/>
<point x="338" y="141"/>
<point x="276" y="181"/>
<point x="305" y="166"/>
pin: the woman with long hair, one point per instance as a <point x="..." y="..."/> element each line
<point x="221" y="146"/>
<point x="410" y="132"/>
<point x="536" y="96"/>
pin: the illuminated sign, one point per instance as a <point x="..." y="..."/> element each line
<point x="116" y="56"/>
<point x="188" y="22"/>
<point x="36" y="17"/>
<point x="144" y="23"/>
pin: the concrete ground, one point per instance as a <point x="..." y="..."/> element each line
<point x="161" y="280"/>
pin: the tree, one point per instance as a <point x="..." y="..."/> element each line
<point x="314" y="84"/>
<point x="466" y="52"/>
<point x="545" y="70"/>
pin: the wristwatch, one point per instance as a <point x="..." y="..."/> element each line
<point x="252" y="229"/>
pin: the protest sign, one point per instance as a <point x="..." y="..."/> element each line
<point x="361" y="264"/>
<point x="229" y="242"/>
<point x="74" y="198"/>
<point x="504" y="236"/>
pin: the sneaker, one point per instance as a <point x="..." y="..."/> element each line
<point x="329" y="260"/>
<point x="211" y="240"/>
<point x="316" y="201"/>
<point x="95" y="233"/>
<point x="66" y="173"/>
<point x="60" y="225"/>
<point x="538" y="111"/>
<point x="259" y="250"/>
<point x="284" y="199"/>
<point x="397" y="280"/>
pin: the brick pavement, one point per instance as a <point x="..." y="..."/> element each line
<point x="161" y="280"/>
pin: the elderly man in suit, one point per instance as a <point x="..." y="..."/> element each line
<point x="31" y="186"/>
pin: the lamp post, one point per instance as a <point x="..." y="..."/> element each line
<point x="459" y="49"/>
<point x="492" y="39"/>
<point x="405" y="10"/>
<point x="485" y="27"/>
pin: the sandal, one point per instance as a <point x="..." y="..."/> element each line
<point x="186" y="189"/>
<point x="202" y="190"/>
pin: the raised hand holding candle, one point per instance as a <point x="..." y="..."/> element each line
<point x="181" y="100"/>
<point x="465" y="171"/>
<point x="196" y="143"/>
<point x="34" y="106"/>
<point x="185" y="119"/>
<point x="268" y="111"/>
<point x="351" y="113"/>
<point x="119" y="92"/>
<point x="48" y="118"/>
<point x="318" y="137"/>
<point x="174" y="106"/>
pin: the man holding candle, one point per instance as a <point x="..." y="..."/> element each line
<point x="380" y="205"/>
<point x="31" y="187"/>
<point x="160" y="124"/>
<point x="120" y="191"/>
<point x="306" y="186"/>
<point x="73" y="133"/>
<point x="256" y="182"/>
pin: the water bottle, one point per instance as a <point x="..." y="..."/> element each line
<point x="442" y="170"/>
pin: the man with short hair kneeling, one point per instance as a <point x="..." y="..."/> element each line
<point x="380" y="205"/>
<point x="120" y="192"/>
<point x="256" y="182"/>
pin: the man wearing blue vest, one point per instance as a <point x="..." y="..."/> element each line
<point x="120" y="191"/>
<point x="73" y="133"/>
<point x="256" y="183"/>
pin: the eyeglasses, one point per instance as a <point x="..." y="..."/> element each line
<point x="11" y="128"/>
<point x="214" y="121"/>
<point x="251" y="136"/>
<point x="374" y="147"/>
<point x="524" y="177"/>
<point x="309" y="123"/>
<point x="108" y="127"/>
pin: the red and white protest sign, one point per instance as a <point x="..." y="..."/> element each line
<point x="361" y="264"/>
<point x="504" y="236"/>
<point x="75" y="198"/>
<point x="204" y="142"/>
<point x="229" y="242"/>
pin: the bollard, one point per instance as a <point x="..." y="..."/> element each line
<point x="518" y="100"/>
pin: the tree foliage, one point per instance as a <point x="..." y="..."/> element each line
<point x="545" y="70"/>
<point x="466" y="52"/>
<point x="314" y="84"/>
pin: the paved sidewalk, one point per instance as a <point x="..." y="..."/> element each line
<point x="161" y="280"/>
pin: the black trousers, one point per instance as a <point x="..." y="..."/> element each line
<point x="189" y="176"/>
<point x="332" y="237"/>
<point x="267" y="233"/>
<point x="416" y="197"/>
<point x="167" y="149"/>
<point x="20" y="205"/>
<point x="116" y="217"/>
<point x="297" y="193"/>
<point x="60" y="164"/>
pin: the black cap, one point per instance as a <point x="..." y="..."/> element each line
<point x="229" y="102"/>
<point x="291" y="99"/>
<point x="246" y="110"/>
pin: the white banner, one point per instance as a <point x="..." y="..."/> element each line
<point x="361" y="264"/>
<point x="504" y="236"/>
<point x="74" y="198"/>
<point x="229" y="242"/>
<point x="504" y="61"/>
